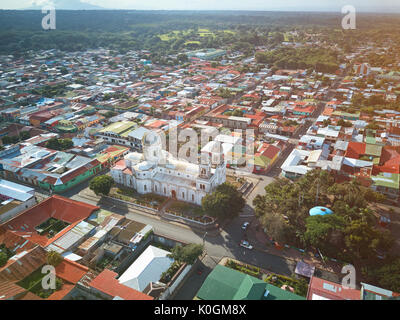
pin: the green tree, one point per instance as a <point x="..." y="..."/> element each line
<point x="363" y="240"/>
<point x="344" y="123"/>
<point x="24" y="135"/>
<point x="64" y="70"/>
<point x="225" y="202"/>
<point x="59" y="144"/>
<point x="10" y="140"/>
<point x="59" y="284"/>
<point x="387" y="276"/>
<point x="3" y="258"/>
<point x="54" y="258"/>
<point x="110" y="114"/>
<point x="224" y="93"/>
<point x="325" y="232"/>
<point x="182" y="57"/>
<point x="187" y="254"/>
<point x="237" y="113"/>
<point x="101" y="185"/>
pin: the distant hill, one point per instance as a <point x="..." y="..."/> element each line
<point x="67" y="5"/>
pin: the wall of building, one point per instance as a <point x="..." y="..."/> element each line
<point x="14" y="211"/>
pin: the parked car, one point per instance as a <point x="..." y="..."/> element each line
<point x="246" y="245"/>
<point x="245" y="225"/>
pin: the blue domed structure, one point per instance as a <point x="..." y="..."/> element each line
<point x="320" y="211"/>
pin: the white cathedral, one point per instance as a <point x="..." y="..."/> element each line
<point x="157" y="171"/>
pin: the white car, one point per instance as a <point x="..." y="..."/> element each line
<point x="245" y="225"/>
<point x="246" y="245"/>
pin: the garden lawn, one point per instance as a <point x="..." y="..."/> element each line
<point x="185" y="208"/>
<point x="131" y="195"/>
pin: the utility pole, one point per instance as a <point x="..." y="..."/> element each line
<point x="204" y="238"/>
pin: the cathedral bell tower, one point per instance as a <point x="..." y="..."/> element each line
<point x="205" y="165"/>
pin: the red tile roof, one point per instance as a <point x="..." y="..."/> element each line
<point x="107" y="283"/>
<point x="16" y="242"/>
<point x="60" y="294"/>
<point x="8" y="290"/>
<point x="18" y="269"/>
<point x="308" y="109"/>
<point x="57" y="207"/>
<point x="355" y="149"/>
<point x="71" y="271"/>
<point x="328" y="111"/>
<point x="390" y="157"/>
<point x="331" y="290"/>
<point x="156" y="124"/>
<point x="270" y="151"/>
<point x="120" y="165"/>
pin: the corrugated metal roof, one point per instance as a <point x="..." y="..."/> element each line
<point x="73" y="236"/>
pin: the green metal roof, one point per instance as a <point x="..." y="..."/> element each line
<point x="121" y="128"/>
<point x="276" y="293"/>
<point x="388" y="180"/>
<point x="373" y="150"/>
<point x="224" y="283"/>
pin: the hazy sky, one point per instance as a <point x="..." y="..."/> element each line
<point x="296" y="5"/>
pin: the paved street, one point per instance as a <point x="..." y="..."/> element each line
<point x="218" y="245"/>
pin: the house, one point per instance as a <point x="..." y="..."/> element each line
<point x="56" y="222"/>
<point x="70" y="271"/>
<point x="14" y="198"/>
<point x="224" y="283"/>
<point x="107" y="286"/>
<point x="264" y="157"/>
<point x="147" y="268"/>
<point x="295" y="164"/>
<point x="387" y="183"/>
<point x="306" y="110"/>
<point x="370" y="292"/>
<point x="109" y="156"/>
<point x="56" y="171"/>
<point x="136" y="138"/>
<point x="22" y="264"/>
<point x="117" y="132"/>
<point x="320" y="289"/>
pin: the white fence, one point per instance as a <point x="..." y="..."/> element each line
<point x="170" y="290"/>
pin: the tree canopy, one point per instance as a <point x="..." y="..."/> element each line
<point x="225" y="202"/>
<point x="319" y="59"/>
<point x="54" y="258"/>
<point x="59" y="144"/>
<point x="3" y="258"/>
<point x="186" y="254"/>
<point x="101" y="185"/>
<point x="350" y="234"/>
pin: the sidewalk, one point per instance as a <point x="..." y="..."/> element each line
<point x="90" y="195"/>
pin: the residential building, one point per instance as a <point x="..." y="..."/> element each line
<point x="14" y="198"/>
<point x="224" y="283"/>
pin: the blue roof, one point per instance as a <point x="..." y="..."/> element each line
<point x="320" y="211"/>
